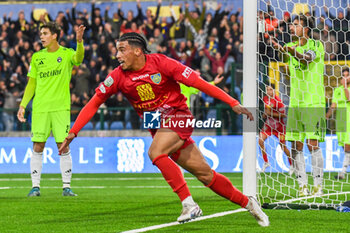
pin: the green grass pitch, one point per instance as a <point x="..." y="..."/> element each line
<point x="121" y="202"/>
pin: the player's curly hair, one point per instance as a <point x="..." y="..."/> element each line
<point x="135" y="39"/>
<point x="53" y="27"/>
<point x="307" y="21"/>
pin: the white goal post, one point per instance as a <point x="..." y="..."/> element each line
<point x="249" y="95"/>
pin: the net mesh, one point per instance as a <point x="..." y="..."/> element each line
<point x="277" y="185"/>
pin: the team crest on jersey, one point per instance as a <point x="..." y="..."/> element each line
<point x="109" y="81"/>
<point x="59" y="59"/>
<point x="156" y="78"/>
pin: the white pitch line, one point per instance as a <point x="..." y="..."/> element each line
<point x="155" y="227"/>
<point x="102" y="187"/>
<point x="4" y="187"/>
<point x="105" y="178"/>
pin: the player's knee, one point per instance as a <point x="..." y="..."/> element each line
<point x="154" y="152"/>
<point x="38" y="147"/>
<point x="205" y="177"/>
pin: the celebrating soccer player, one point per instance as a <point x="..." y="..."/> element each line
<point x="150" y="83"/>
<point x="306" y="114"/>
<point x="274" y="125"/>
<point x="49" y="77"/>
<point x="340" y="102"/>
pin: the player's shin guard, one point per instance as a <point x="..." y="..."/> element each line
<point x="300" y="171"/>
<point x="36" y="165"/>
<point x="317" y="166"/>
<point x="66" y="169"/>
<point x="223" y="187"/>
<point x="172" y="174"/>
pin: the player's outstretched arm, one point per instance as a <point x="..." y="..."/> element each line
<point x="217" y="93"/>
<point x="239" y="109"/>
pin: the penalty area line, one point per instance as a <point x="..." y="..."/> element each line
<point x="155" y="227"/>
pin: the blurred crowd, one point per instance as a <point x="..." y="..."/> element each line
<point x="209" y="43"/>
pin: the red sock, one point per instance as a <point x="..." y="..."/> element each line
<point x="223" y="186"/>
<point x="265" y="157"/>
<point x="290" y="161"/>
<point x="172" y="174"/>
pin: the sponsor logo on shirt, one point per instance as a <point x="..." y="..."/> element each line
<point x="41" y="63"/>
<point x="187" y="72"/>
<point x="59" y="59"/>
<point x="156" y="78"/>
<point x="109" y="81"/>
<point x="50" y="73"/>
<point x="140" y="77"/>
<point x="102" y="88"/>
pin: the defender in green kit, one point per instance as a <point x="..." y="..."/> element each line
<point x="49" y="78"/>
<point x="306" y="114"/>
<point x="341" y="104"/>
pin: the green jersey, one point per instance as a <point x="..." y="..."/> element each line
<point x="306" y="80"/>
<point x="53" y="72"/>
<point x="343" y="109"/>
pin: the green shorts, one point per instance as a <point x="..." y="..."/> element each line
<point x="45" y="122"/>
<point x="306" y="123"/>
<point x="343" y="126"/>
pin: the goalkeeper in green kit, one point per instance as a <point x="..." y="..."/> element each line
<point x="49" y="78"/>
<point x="306" y="114"/>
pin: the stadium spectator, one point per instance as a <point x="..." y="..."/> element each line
<point x="186" y="57"/>
<point x="217" y="60"/>
<point x="11" y="95"/>
<point x="148" y="94"/>
<point x="195" y="19"/>
<point x="81" y="81"/>
<point x="49" y="79"/>
<point x="179" y="26"/>
<point x="340" y="104"/>
<point x="283" y="28"/>
<point x="306" y="114"/>
<point x="115" y="22"/>
<point x="117" y="101"/>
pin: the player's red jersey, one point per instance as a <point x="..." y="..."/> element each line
<point x="274" y="125"/>
<point x="154" y="87"/>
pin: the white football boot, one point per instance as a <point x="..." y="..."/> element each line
<point x="189" y="212"/>
<point x="254" y="209"/>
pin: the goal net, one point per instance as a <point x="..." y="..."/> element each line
<point x="289" y="90"/>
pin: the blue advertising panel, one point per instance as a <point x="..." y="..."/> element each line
<point x="129" y="154"/>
